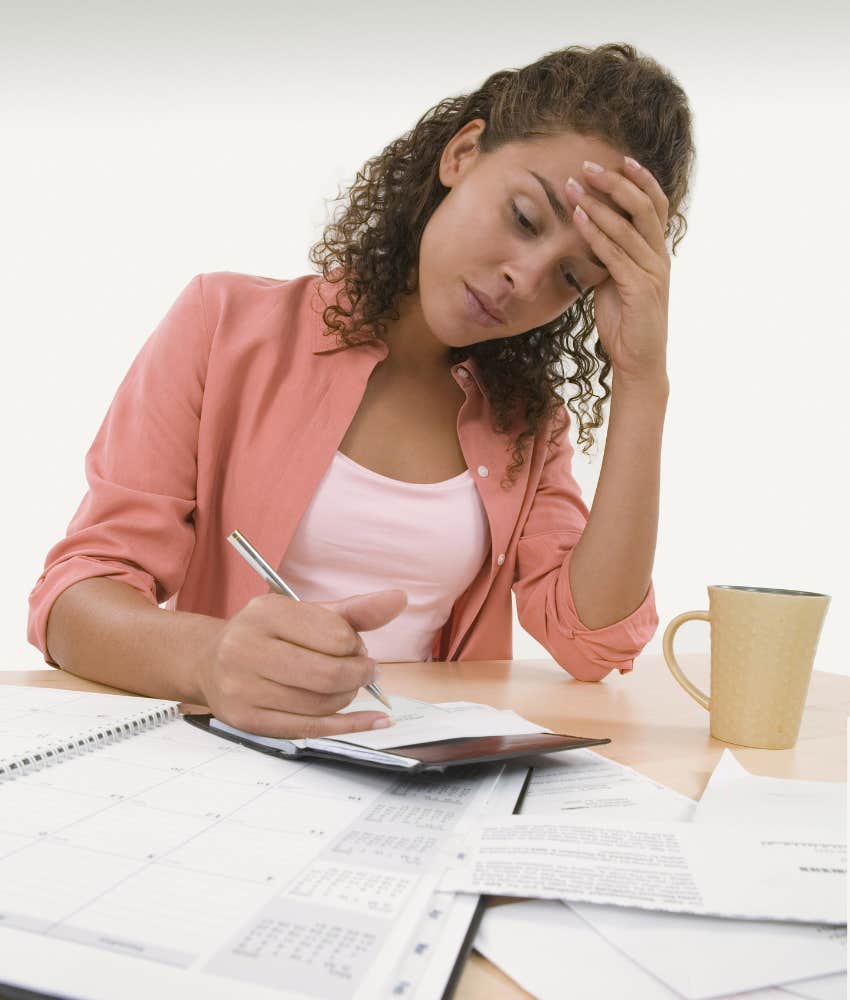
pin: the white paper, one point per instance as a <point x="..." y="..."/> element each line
<point x="32" y="718"/>
<point x="583" y="783"/>
<point x="733" y="795"/>
<point x="674" y="954"/>
<point x="824" y="988"/>
<point x="705" y="956"/>
<point x="552" y="953"/>
<point x="177" y="861"/>
<point x="701" y="957"/>
<point x="751" y="872"/>
<point x="436" y="941"/>
<point x="423" y="722"/>
<point x="414" y="722"/>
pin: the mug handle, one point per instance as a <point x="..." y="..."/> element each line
<point x="667" y="642"/>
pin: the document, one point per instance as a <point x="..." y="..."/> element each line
<point x="733" y="795"/>
<point x="552" y="953"/>
<point x="702" y="957"/>
<point x="423" y="722"/>
<point x="616" y="950"/>
<point x="748" y="872"/>
<point x="583" y="783"/>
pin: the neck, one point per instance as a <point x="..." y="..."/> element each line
<point x="413" y="348"/>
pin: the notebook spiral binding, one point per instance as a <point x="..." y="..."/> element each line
<point x="52" y="753"/>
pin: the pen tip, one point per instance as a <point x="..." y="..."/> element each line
<point x="378" y="695"/>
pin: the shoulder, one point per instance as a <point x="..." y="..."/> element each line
<point x="241" y="310"/>
<point x="223" y="291"/>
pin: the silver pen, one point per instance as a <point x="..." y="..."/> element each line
<point x="256" y="561"/>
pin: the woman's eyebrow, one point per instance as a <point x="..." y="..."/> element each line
<point x="562" y="216"/>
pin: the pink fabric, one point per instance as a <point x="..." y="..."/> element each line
<point x="429" y="539"/>
<point x="229" y="417"/>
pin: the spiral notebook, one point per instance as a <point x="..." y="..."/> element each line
<point x="141" y="856"/>
<point x="43" y="726"/>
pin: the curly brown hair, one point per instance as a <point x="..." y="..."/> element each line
<point x="610" y="92"/>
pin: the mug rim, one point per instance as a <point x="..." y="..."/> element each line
<point x="766" y="590"/>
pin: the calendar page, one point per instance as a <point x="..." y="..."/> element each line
<point x="176" y="850"/>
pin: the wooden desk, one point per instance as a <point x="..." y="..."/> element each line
<point x="653" y="725"/>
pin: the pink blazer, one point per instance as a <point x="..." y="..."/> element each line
<point x="229" y="417"/>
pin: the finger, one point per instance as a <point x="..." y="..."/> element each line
<point x="647" y="181"/>
<point x="283" y="698"/>
<point x="369" y="611"/>
<point x="621" y="266"/>
<point x="619" y="231"/>
<point x="284" y="663"/>
<point x="312" y="671"/>
<point x="288" y="726"/>
<point x="647" y="212"/>
<point x="305" y="624"/>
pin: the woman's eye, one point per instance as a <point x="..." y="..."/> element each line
<point x="521" y="219"/>
<point x="527" y="226"/>
<point x="572" y="281"/>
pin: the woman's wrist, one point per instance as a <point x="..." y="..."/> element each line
<point x="652" y="387"/>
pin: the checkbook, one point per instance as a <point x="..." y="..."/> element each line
<point x="425" y="736"/>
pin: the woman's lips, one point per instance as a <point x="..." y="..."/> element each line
<point x="477" y="310"/>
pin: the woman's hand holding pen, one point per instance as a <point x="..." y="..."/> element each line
<point x="285" y="668"/>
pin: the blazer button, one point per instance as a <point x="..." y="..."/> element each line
<point x="501" y="558"/>
<point x="483" y="470"/>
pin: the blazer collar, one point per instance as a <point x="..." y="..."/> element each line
<point x="324" y="343"/>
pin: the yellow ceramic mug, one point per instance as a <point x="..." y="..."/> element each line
<point x="763" y="644"/>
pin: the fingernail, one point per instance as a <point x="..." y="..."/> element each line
<point x="382" y="723"/>
<point x="378" y="670"/>
<point x="363" y="651"/>
<point x="632" y="163"/>
<point x="573" y="183"/>
<point x="592" y="167"/>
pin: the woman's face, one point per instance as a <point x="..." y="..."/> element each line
<point x="496" y="231"/>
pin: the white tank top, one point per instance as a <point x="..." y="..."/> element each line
<point x="364" y="532"/>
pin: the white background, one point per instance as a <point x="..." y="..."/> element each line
<point x="145" y="143"/>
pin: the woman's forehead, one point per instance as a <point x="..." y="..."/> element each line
<point x="550" y="184"/>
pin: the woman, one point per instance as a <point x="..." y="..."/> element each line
<point x="328" y="416"/>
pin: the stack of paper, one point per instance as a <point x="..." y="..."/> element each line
<point x="162" y="860"/>
<point x="155" y="858"/>
<point x="582" y="783"/>
<point x="602" y="951"/>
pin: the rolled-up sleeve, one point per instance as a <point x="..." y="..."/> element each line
<point x="135" y="522"/>
<point x="544" y="600"/>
